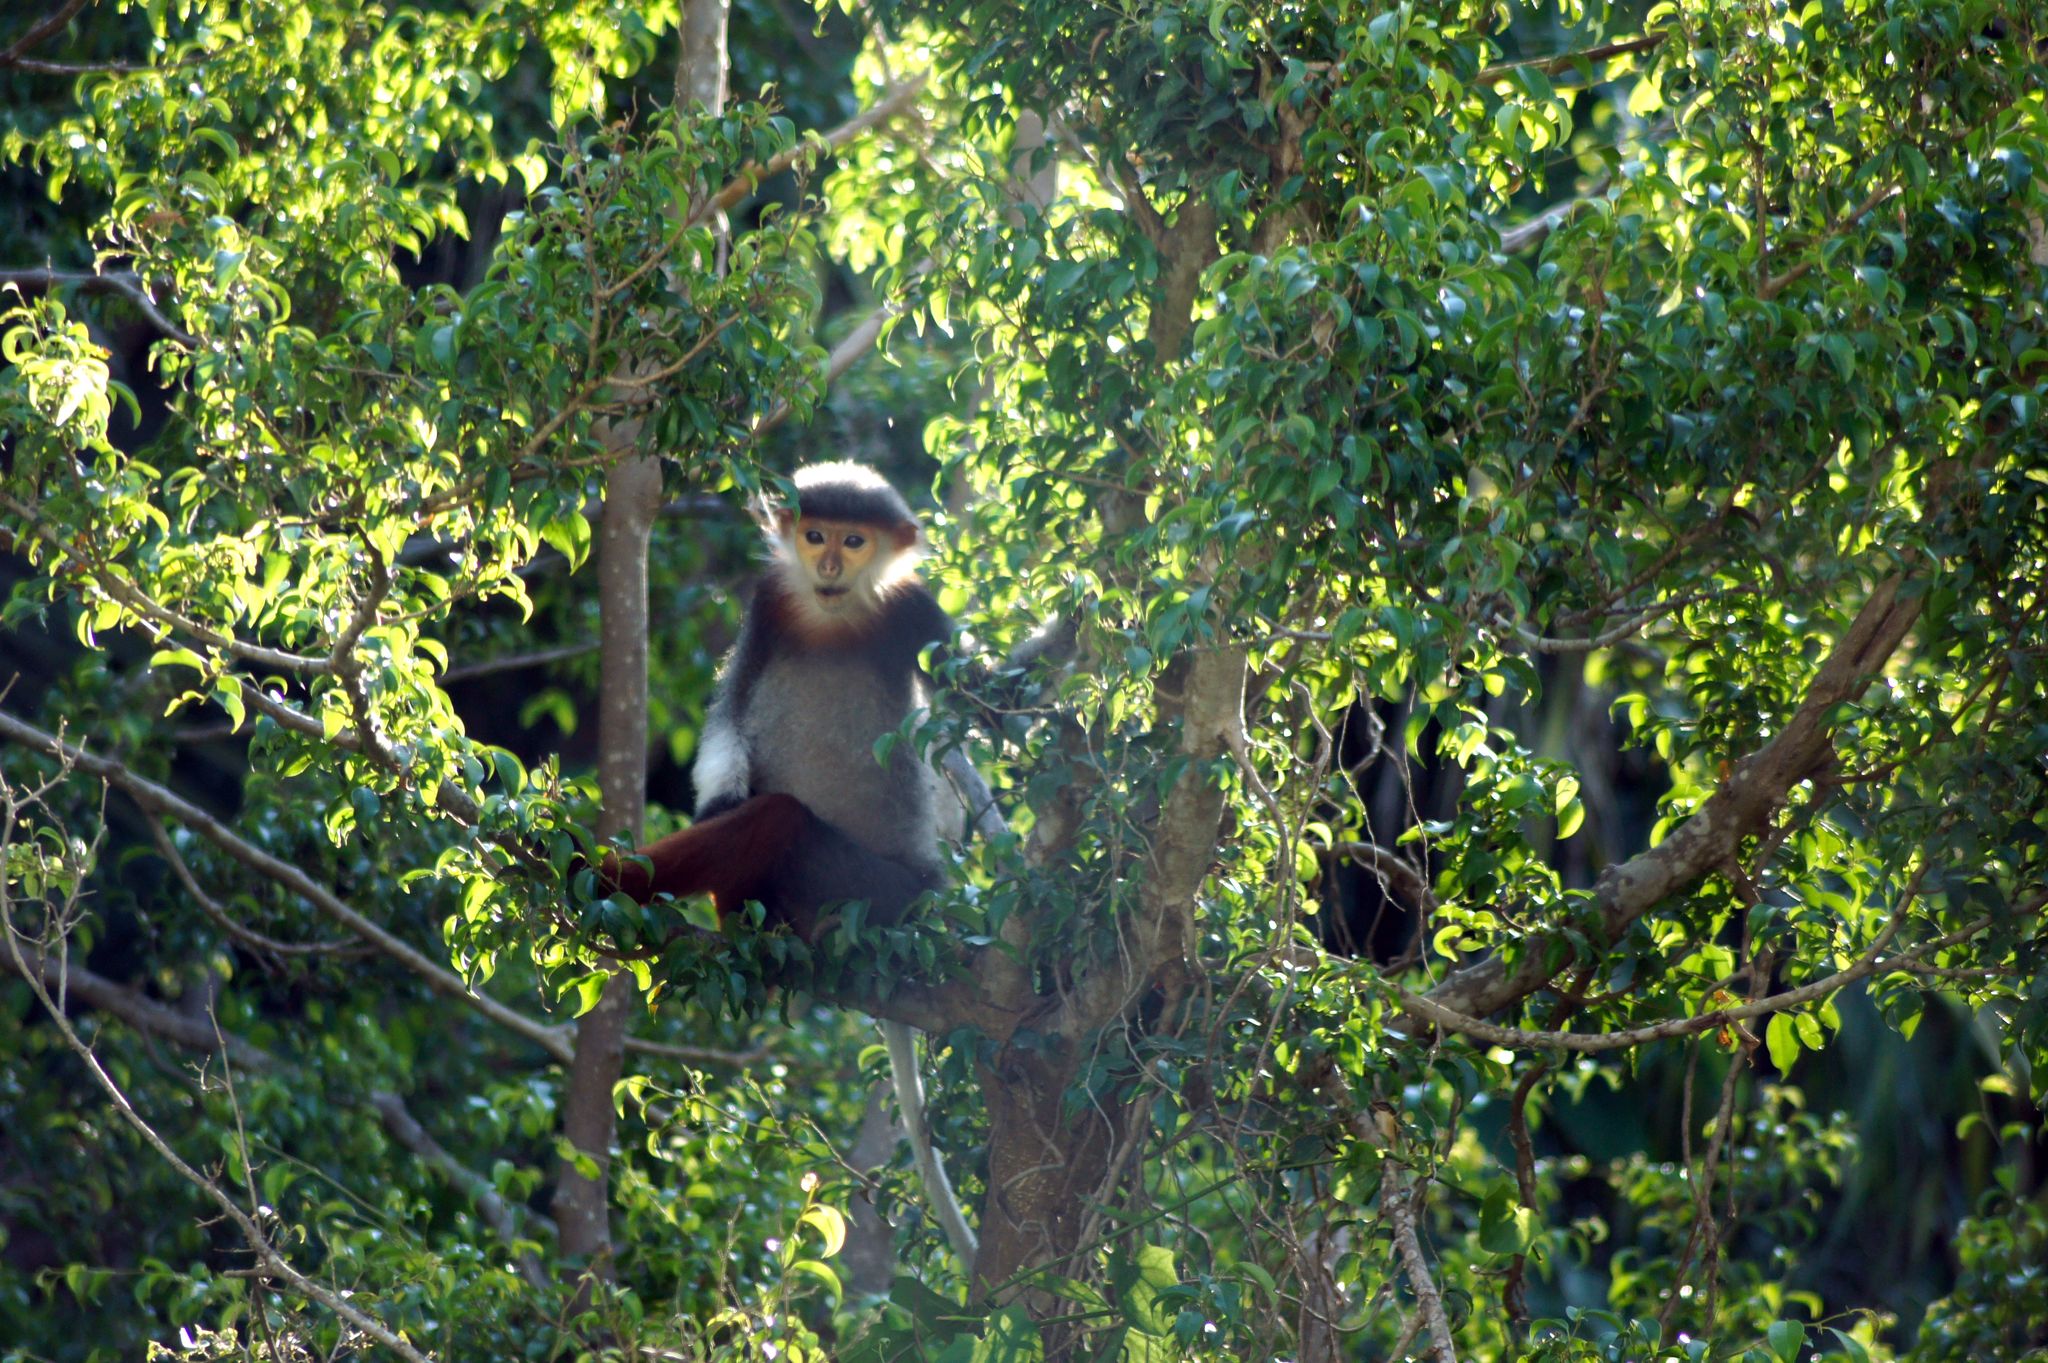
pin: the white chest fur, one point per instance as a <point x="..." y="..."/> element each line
<point x="811" y="731"/>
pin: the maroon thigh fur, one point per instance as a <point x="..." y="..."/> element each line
<point x="729" y="857"/>
<point x="773" y="849"/>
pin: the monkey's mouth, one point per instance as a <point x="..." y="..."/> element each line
<point x="831" y="592"/>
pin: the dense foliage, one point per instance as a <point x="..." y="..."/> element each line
<point x="1539" y="848"/>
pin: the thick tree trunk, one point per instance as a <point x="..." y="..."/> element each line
<point x="1044" y="1167"/>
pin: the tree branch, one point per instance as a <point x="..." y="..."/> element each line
<point x="144" y="1014"/>
<point x="222" y="919"/>
<point x="893" y="102"/>
<point x="1395" y="873"/>
<point x="1404" y="1198"/>
<point x="515" y="662"/>
<point x="1868" y="964"/>
<point x="1211" y="708"/>
<point x="40" y="31"/>
<point x="856" y="346"/>
<point x="155" y="799"/>
<point x="165" y="618"/>
<point x="1567" y="61"/>
<point x="273" y="1262"/>
<point x="1751" y="792"/>
<point x="121" y="282"/>
<point x="490" y="1204"/>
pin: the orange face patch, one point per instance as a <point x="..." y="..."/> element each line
<point x="835" y="554"/>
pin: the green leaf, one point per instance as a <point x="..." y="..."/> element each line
<point x="1786" y="1337"/>
<point x="177" y="657"/>
<point x="1012" y="1337"/>
<point x="570" y="535"/>
<point x="1140" y="1280"/>
<point x="1505" y="1225"/>
<point x="829" y="1224"/>
<point x="822" y="1272"/>
<point x="1782" y="1037"/>
<point x="589" y="989"/>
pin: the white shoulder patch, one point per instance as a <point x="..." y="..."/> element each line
<point x="721" y="768"/>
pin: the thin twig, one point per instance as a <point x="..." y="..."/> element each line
<point x="266" y="1253"/>
<point x="1776" y="284"/>
<point x="1396" y="874"/>
<point x="1588" y="1042"/>
<point x="1566" y="61"/>
<point x="856" y="346"/>
<point x="157" y="800"/>
<point x="516" y="662"/>
<point x="222" y="919"/>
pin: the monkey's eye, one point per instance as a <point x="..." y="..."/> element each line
<point x="856" y="541"/>
<point x="814" y="537"/>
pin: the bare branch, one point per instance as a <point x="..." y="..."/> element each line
<point x="68" y="981"/>
<point x="857" y="345"/>
<point x="516" y="662"/>
<point x="1396" y="874"/>
<point x="267" y="1255"/>
<point x="155" y="799"/>
<point x="490" y="1205"/>
<point x="1751" y="792"/>
<point x="222" y="919"/>
<point x="699" y="1055"/>
<point x="1403" y="1201"/>
<point x="198" y="1034"/>
<point x="1568" y="61"/>
<point x="121" y="282"/>
<point x="1634" y="625"/>
<point x="892" y="103"/>
<point x="41" y="31"/>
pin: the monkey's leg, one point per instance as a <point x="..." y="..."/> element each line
<point x="774" y="849"/>
<point x="730" y="857"/>
<point x="830" y="867"/>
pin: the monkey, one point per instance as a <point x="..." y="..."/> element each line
<point x="793" y="809"/>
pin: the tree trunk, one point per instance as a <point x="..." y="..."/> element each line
<point x="1044" y="1167"/>
<point x="582" y="1205"/>
<point x="632" y="501"/>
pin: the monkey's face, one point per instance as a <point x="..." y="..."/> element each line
<point x="841" y="560"/>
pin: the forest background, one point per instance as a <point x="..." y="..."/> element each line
<point x="1537" y="849"/>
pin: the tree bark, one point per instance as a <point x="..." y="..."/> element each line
<point x="1043" y="1169"/>
<point x="632" y="501"/>
<point x="1048" y="1166"/>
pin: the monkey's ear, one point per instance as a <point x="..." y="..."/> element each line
<point x="905" y="535"/>
<point x="781" y="518"/>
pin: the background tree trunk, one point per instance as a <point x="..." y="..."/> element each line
<point x="632" y="499"/>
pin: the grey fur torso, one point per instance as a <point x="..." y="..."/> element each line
<point x="810" y="726"/>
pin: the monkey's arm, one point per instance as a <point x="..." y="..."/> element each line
<point x="1016" y="684"/>
<point x="723" y="771"/>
